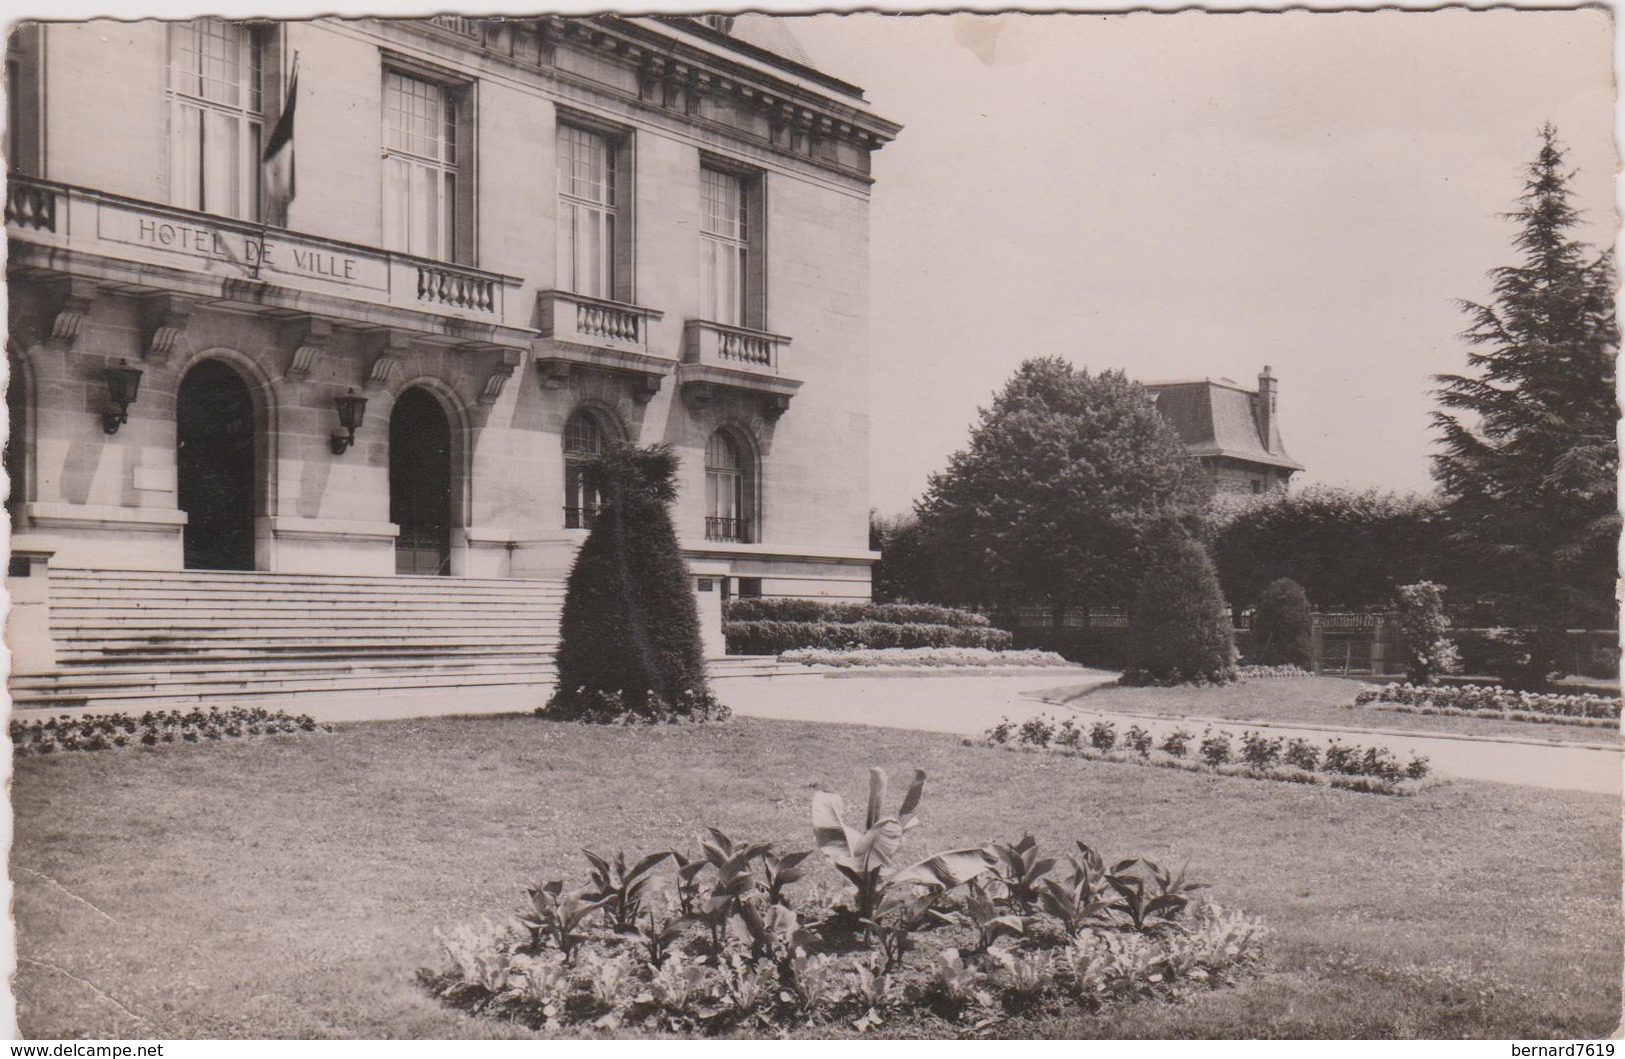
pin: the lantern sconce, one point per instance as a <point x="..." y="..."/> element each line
<point x="123" y="383"/>
<point x="351" y="409"/>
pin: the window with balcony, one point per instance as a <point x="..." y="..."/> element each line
<point x="586" y="434"/>
<point x="428" y="203"/>
<point x="218" y="74"/>
<point x="730" y="245"/>
<point x="730" y="503"/>
<point x="593" y="248"/>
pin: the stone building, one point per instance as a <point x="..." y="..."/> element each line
<point x="510" y="242"/>
<point x="1231" y="431"/>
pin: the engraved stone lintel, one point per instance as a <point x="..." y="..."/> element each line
<point x="508" y="358"/>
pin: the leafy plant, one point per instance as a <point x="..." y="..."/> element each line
<point x="733" y="884"/>
<point x="676" y="983"/>
<point x="1138" y="740"/>
<point x="863" y="856"/>
<point x="1259" y="750"/>
<point x="1001" y="732"/>
<point x="989" y="923"/>
<point x="656" y="935"/>
<point x="620" y="891"/>
<point x="1300" y="753"/>
<point x="1036" y="731"/>
<point x="1068" y="734"/>
<point x="1151" y="892"/>
<point x="1176" y="742"/>
<point x="1216" y="748"/>
<point x="956" y="981"/>
<point x="1079" y="898"/>
<point x="607" y="977"/>
<point x="813" y="981"/>
<point x="1103" y="736"/>
<point x="1020" y="868"/>
<point x="1418" y="767"/>
<point x="557" y="916"/>
<point x="780" y="871"/>
<point x="1026" y="973"/>
<point x="746" y="983"/>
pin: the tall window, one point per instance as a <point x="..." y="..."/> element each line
<point x="588" y="206"/>
<point x="728" y="488"/>
<point x="420" y="166"/>
<point x="725" y="258"/>
<point x="217" y="108"/>
<point x="584" y="438"/>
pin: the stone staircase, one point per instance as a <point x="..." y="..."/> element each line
<point x="140" y="640"/>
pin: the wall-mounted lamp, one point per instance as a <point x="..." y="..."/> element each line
<point x="351" y="409"/>
<point x="123" y="383"/>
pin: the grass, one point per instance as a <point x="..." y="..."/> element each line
<point x="1324" y="701"/>
<point x="290" y="889"/>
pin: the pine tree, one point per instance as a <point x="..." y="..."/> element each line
<point x="1179" y="627"/>
<point x="629" y="639"/>
<point x="1528" y="466"/>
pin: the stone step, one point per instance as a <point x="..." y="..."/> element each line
<point x="384" y="675"/>
<point x="182" y="683"/>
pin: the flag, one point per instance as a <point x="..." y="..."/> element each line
<point x="277" y="162"/>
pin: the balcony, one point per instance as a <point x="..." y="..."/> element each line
<point x="132" y="243"/>
<point x="727" y="530"/>
<point x="723" y="357"/>
<point x="582" y="332"/>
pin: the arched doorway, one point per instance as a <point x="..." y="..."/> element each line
<point x="420" y="483"/>
<point x="214" y="430"/>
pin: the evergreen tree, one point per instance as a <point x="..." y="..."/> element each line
<point x="1529" y="465"/>
<point x="1179" y="628"/>
<point x="1283" y="628"/>
<point x="1050" y="502"/>
<point x="629" y="640"/>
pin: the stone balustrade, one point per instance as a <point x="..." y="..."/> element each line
<point x="221" y="253"/>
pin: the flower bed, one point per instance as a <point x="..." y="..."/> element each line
<point x="1271" y="672"/>
<point x="924" y="657"/>
<point x="716" y="941"/>
<point x="115" y="731"/>
<point x="1349" y="767"/>
<point x="1487" y="700"/>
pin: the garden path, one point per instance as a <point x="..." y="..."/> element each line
<point x="969" y="705"/>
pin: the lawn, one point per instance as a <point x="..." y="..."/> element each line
<point x="1324" y="701"/>
<point x="289" y="887"/>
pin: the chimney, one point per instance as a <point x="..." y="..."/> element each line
<point x="1266" y="408"/>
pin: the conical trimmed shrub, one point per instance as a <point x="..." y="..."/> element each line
<point x="1283" y="628"/>
<point x="629" y="642"/>
<point x="1179" y="630"/>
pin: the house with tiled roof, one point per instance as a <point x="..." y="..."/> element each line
<point x="1233" y="432"/>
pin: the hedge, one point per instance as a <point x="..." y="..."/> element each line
<point x="851" y="612"/>
<point x="774" y="637"/>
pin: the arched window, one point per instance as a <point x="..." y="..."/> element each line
<point x="730" y="503"/>
<point x="584" y="438"/>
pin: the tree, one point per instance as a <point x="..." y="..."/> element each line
<point x="906" y="570"/>
<point x="629" y="639"/>
<point x="1179" y="629"/>
<point x="1528" y="465"/>
<point x="1051" y="500"/>
<point x="1347" y="548"/>
<point x="1283" y="628"/>
<point x="1424" y="633"/>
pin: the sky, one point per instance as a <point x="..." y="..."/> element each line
<point x="1198" y="195"/>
